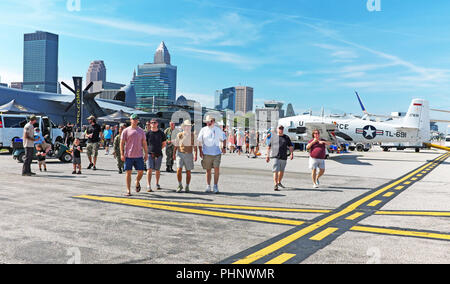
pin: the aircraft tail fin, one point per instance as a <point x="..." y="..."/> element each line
<point x="418" y="116"/>
<point x="361" y="104"/>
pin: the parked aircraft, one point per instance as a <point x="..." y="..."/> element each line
<point x="412" y="128"/>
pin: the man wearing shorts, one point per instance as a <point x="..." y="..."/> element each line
<point x="279" y="146"/>
<point x="211" y="138"/>
<point x="156" y="141"/>
<point x="134" y="152"/>
<point x="182" y="153"/>
<point x="93" y="135"/>
<point x="317" y="153"/>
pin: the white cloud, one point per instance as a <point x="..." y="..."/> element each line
<point x="222" y="56"/>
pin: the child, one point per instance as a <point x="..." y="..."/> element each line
<point x="76" y="156"/>
<point x="41" y="157"/>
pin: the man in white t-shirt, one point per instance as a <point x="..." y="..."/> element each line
<point x="212" y="143"/>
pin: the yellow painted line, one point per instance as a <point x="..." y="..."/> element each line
<point x="293" y="237"/>
<point x="414" y="178"/>
<point x="407" y="182"/>
<point x="222" y="206"/>
<point x="355" y="216"/>
<point x="419" y="175"/>
<point x="401" y="232"/>
<point x="399" y="187"/>
<point x="281" y="258"/>
<point x="143" y="203"/>
<point x="325" y="233"/>
<point x="389" y="194"/>
<point x="374" y="203"/>
<point x="414" y="213"/>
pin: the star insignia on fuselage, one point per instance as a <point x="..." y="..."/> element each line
<point x="369" y="132"/>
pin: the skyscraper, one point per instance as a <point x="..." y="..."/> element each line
<point x="156" y="83"/>
<point x="96" y="72"/>
<point x="244" y="99"/>
<point x="237" y="99"/>
<point x="40" y="62"/>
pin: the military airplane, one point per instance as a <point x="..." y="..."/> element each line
<point x="412" y="128"/>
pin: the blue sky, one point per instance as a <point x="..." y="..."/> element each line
<point x="312" y="53"/>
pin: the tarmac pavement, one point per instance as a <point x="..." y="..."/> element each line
<point x="57" y="217"/>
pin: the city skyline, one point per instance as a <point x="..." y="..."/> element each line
<point x="298" y="52"/>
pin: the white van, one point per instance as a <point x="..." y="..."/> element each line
<point x="11" y="127"/>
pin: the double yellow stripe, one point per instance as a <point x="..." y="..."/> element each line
<point x="407" y="233"/>
<point x="295" y="236"/>
<point x="147" y="204"/>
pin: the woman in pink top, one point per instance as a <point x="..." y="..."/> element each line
<point x="317" y="153"/>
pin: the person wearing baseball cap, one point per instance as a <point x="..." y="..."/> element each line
<point x="133" y="152"/>
<point x="93" y="142"/>
<point x="183" y="154"/>
<point x="279" y="146"/>
<point x="212" y="143"/>
<point x="156" y="141"/>
<point x="28" y="144"/>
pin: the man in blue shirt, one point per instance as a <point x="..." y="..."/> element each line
<point x="212" y="143"/>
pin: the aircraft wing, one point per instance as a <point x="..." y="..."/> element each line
<point x="440" y="120"/>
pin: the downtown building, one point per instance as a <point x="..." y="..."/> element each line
<point x="40" y="62"/>
<point x="97" y="75"/>
<point x="155" y="83"/>
<point x="236" y="99"/>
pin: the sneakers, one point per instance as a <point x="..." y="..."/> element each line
<point x="215" y="188"/>
<point x="276" y="188"/>
<point x="90" y="166"/>
<point x="158" y="187"/>
<point x="281" y="186"/>
<point x="74" y="172"/>
<point x="187" y="188"/>
<point x="94" y="168"/>
<point x="149" y="189"/>
<point x="180" y="188"/>
<point x="315" y="185"/>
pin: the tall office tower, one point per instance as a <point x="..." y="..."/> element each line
<point x="40" y="62"/>
<point x="244" y="99"/>
<point x="97" y="74"/>
<point x="156" y="83"/>
<point x="237" y="99"/>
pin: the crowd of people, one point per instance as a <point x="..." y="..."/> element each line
<point x="142" y="150"/>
